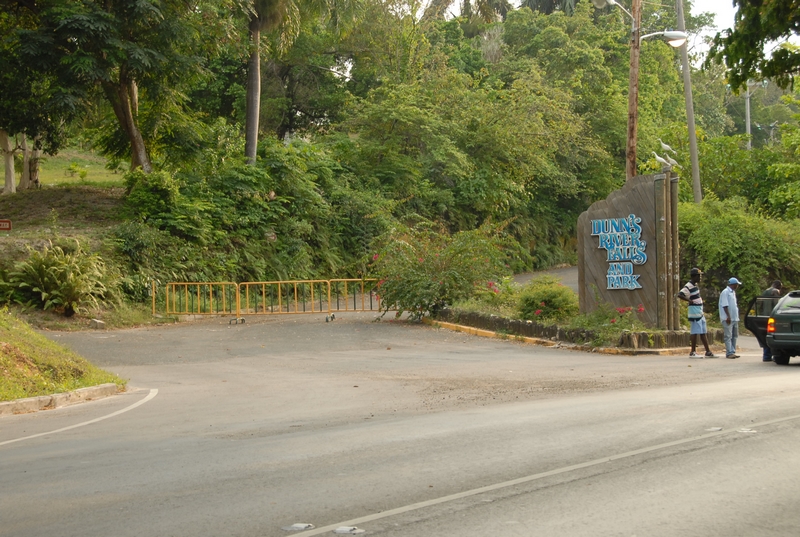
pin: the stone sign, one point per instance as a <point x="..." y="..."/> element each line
<point x="628" y="250"/>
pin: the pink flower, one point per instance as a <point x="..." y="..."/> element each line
<point x="496" y="290"/>
<point x="421" y="260"/>
<point x="541" y="304"/>
<point x="375" y="257"/>
<point x="640" y="309"/>
<point x="537" y="312"/>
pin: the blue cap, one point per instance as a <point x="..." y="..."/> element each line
<point x="734" y="281"/>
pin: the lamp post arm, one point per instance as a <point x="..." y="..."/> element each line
<point x="614" y="3"/>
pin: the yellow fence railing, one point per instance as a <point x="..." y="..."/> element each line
<point x="269" y="298"/>
<point x="201" y="298"/>
<point x="354" y="295"/>
<point x="282" y="297"/>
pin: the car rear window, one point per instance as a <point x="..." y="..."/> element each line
<point x="792" y="302"/>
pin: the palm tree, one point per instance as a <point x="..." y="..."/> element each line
<point x="265" y="15"/>
<point x="284" y="17"/>
<point x="549" y="6"/>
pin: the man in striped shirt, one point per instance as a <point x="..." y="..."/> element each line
<point x="697" y="321"/>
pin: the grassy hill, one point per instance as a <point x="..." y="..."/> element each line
<point x="67" y="208"/>
<point x="55" y="213"/>
<point x="32" y="365"/>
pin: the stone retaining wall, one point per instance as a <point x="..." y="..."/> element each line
<point x="629" y="340"/>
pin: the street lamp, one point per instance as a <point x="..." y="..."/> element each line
<point x="675" y="38"/>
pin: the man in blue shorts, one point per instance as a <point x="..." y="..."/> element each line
<point x="697" y="320"/>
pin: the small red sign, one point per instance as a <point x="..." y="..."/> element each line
<point x="5" y="225"/>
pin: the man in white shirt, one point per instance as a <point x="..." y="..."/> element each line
<point x="729" y="317"/>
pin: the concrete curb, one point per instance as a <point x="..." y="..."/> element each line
<point x="49" y="402"/>
<point x="549" y="343"/>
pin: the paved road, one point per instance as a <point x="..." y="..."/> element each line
<point x="403" y="430"/>
<point x="567" y="275"/>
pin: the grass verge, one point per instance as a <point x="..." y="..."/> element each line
<point x="32" y="365"/>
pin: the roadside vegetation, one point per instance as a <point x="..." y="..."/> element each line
<point x="440" y="154"/>
<point x="32" y="365"/>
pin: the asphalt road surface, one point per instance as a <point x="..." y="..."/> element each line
<point x="403" y="430"/>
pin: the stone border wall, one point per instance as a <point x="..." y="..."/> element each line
<point x="514" y="326"/>
<point x="627" y="340"/>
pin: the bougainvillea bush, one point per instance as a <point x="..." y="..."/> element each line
<point x="421" y="269"/>
<point x="546" y="299"/>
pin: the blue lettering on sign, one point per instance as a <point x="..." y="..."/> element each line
<point x="621" y="239"/>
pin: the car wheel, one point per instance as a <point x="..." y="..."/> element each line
<point x="780" y="357"/>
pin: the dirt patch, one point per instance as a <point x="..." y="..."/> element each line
<point x="75" y="206"/>
<point x="57" y="215"/>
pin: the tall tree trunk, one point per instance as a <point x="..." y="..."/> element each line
<point x="36" y="155"/>
<point x="25" y="180"/>
<point x="253" y="99"/>
<point x="119" y="95"/>
<point x="8" y="161"/>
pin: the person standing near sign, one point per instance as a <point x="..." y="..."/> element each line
<point x="729" y="317"/>
<point x="697" y="321"/>
<point x="773" y="291"/>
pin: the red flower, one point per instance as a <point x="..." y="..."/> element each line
<point x="541" y="304"/>
<point x="640" y="309"/>
<point x="613" y="321"/>
<point x="375" y="257"/>
<point x="537" y="312"/>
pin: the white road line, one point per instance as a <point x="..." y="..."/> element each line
<point x="527" y="479"/>
<point x="153" y="393"/>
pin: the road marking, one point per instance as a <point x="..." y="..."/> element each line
<point x="528" y="479"/>
<point x="153" y="393"/>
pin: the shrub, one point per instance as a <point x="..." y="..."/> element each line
<point x="545" y="298"/>
<point x="59" y="280"/>
<point x="422" y="270"/>
<point x="729" y="238"/>
<point x="607" y="322"/>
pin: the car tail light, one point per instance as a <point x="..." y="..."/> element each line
<point x="771" y="326"/>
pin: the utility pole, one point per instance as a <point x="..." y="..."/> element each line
<point x="697" y="189"/>
<point x="633" y="90"/>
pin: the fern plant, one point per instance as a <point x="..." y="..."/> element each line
<point x="54" y="279"/>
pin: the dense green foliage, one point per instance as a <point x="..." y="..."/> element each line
<point x="422" y="270"/>
<point x="377" y="120"/>
<point x="728" y="238"/>
<point x="66" y="281"/>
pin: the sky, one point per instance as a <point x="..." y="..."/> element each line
<point x="723" y="9"/>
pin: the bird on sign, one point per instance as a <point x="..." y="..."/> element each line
<point x="673" y="162"/>
<point x="665" y="165"/>
<point x="667" y="148"/>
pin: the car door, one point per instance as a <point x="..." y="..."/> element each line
<point x="757" y="315"/>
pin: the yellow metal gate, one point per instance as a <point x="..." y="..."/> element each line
<point x="270" y="298"/>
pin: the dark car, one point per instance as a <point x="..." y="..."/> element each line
<point x="776" y="323"/>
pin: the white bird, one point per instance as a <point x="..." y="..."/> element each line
<point x="673" y="162"/>
<point x="665" y="147"/>
<point x="664" y="163"/>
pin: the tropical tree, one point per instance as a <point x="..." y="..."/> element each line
<point x="756" y="24"/>
<point x="33" y="107"/>
<point x="123" y="48"/>
<point x="283" y="17"/>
